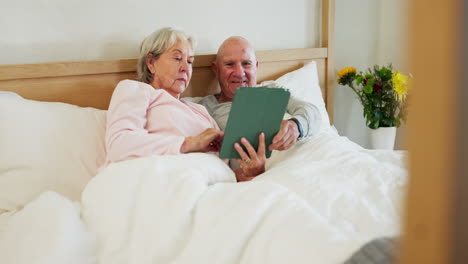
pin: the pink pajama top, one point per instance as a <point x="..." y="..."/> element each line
<point x="143" y="121"/>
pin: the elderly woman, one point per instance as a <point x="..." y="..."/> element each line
<point x="146" y="117"/>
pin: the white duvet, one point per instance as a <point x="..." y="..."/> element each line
<point x="317" y="203"/>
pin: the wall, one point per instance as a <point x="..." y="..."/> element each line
<point x="57" y="30"/>
<point x="367" y="32"/>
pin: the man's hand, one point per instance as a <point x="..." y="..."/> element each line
<point x="286" y="136"/>
<point x="253" y="162"/>
<point x="208" y="140"/>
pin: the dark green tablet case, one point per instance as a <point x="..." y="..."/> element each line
<point x="254" y="110"/>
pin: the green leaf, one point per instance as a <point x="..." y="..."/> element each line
<point x="387" y="122"/>
<point x="374" y="125"/>
<point x="359" y="80"/>
<point x="385" y="74"/>
<point x="368" y="89"/>
<point x="377" y="115"/>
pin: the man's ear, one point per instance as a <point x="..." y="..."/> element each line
<point x="149" y="62"/>
<point x="214" y="68"/>
<point x="256" y="64"/>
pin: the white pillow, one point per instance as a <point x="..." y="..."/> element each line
<point x="47" y="147"/>
<point x="304" y="84"/>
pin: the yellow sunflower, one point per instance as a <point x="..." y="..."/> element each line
<point x="345" y="75"/>
<point x="345" y="71"/>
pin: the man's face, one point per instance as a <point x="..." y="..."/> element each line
<point x="235" y="66"/>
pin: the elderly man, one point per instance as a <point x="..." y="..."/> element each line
<point x="236" y="66"/>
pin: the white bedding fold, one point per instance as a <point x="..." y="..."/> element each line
<point x="47" y="230"/>
<point x="142" y="209"/>
<point x="316" y="204"/>
<point x="359" y="191"/>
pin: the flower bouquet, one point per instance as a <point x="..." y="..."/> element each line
<point x="382" y="91"/>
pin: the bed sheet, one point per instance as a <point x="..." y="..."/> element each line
<point x="47" y="230"/>
<point x="317" y="203"/>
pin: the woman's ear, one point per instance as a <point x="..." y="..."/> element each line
<point x="149" y="62"/>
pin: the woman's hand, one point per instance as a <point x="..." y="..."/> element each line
<point x="207" y="141"/>
<point x="253" y="162"/>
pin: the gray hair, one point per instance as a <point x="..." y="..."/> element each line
<point x="156" y="44"/>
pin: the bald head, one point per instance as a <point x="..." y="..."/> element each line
<point x="235" y="66"/>
<point x="235" y="44"/>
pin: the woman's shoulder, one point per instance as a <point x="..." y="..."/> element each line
<point x="134" y="88"/>
<point x="132" y="84"/>
<point x="131" y="90"/>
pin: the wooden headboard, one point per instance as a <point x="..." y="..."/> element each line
<point x="91" y="83"/>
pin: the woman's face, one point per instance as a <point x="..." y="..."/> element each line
<point x="172" y="71"/>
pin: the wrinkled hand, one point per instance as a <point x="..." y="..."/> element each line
<point x="207" y="141"/>
<point x="253" y="162"/>
<point x="286" y="136"/>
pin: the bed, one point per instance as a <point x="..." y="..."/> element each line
<point x="317" y="202"/>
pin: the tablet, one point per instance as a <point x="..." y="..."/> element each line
<point x="254" y="110"/>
